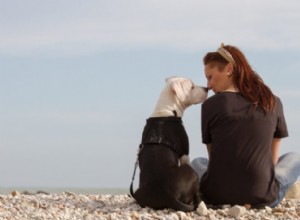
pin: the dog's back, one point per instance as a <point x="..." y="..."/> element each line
<point x="168" y="131"/>
<point x="163" y="184"/>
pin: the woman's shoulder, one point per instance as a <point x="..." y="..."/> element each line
<point x="278" y="103"/>
<point x="221" y="97"/>
<point x="277" y="99"/>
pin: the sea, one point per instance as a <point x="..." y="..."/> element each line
<point x="84" y="191"/>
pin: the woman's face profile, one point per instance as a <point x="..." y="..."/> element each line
<point x="217" y="80"/>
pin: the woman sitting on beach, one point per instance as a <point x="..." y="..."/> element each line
<point x="242" y="125"/>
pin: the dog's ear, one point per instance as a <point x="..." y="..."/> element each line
<point x="181" y="88"/>
<point x="170" y="78"/>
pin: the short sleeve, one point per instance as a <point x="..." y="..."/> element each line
<point x="281" y="127"/>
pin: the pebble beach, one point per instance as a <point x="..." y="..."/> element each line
<point x="68" y="205"/>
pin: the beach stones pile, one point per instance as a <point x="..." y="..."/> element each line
<point x="72" y="206"/>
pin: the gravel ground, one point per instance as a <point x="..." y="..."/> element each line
<point x="69" y="205"/>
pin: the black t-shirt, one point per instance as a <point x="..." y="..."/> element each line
<point x="240" y="169"/>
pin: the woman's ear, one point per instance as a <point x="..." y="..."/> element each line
<point x="229" y="69"/>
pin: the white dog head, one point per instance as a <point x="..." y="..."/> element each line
<point x="186" y="91"/>
<point x="178" y="94"/>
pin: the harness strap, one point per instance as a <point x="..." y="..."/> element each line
<point x="159" y="140"/>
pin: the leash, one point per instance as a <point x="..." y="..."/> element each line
<point x="135" y="167"/>
<point x="175" y="113"/>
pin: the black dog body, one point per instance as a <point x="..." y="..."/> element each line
<point x="163" y="183"/>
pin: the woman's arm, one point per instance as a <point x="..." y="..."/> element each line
<point x="208" y="146"/>
<point x="275" y="149"/>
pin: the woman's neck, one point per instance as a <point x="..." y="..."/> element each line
<point x="231" y="89"/>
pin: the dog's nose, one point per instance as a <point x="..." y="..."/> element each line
<point x="206" y="89"/>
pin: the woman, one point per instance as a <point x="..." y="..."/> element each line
<point x="242" y="125"/>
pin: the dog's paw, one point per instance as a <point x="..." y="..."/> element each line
<point x="185" y="159"/>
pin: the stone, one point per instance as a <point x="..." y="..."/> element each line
<point x="134" y="215"/>
<point x="171" y="216"/>
<point x="236" y="211"/>
<point x="266" y="218"/>
<point x="226" y="206"/>
<point x="212" y="217"/>
<point x="182" y="215"/>
<point x="247" y="206"/>
<point x="278" y="210"/>
<point x="268" y="209"/>
<point x="15" y="193"/>
<point x="202" y="209"/>
<point x="69" y="193"/>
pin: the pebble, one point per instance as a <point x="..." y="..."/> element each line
<point x="66" y="206"/>
<point x="236" y="211"/>
<point x="202" y="209"/>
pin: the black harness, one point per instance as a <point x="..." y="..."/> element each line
<point x="148" y="142"/>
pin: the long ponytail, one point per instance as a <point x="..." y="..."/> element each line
<point x="247" y="81"/>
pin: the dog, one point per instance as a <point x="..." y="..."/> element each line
<point x="166" y="178"/>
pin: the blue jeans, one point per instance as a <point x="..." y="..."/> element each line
<point x="287" y="171"/>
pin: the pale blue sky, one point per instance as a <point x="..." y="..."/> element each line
<point x="79" y="78"/>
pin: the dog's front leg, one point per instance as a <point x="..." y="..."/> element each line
<point x="185" y="159"/>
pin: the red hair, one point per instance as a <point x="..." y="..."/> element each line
<point x="246" y="80"/>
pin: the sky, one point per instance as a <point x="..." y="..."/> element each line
<point x="78" y="79"/>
